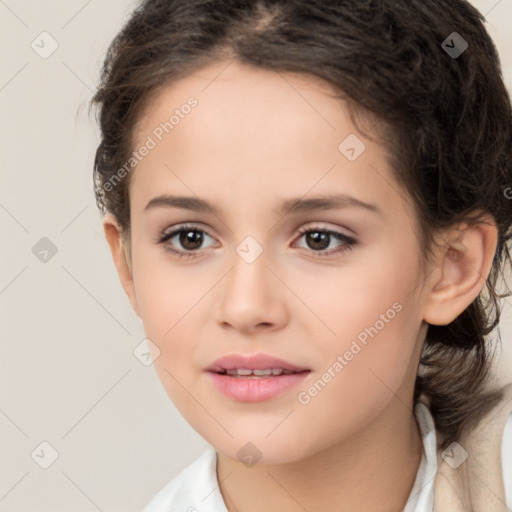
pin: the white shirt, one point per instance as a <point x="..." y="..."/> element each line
<point x="196" y="489"/>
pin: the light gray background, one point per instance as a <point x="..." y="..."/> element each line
<point x="68" y="375"/>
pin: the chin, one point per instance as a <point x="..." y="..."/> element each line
<point x="249" y="449"/>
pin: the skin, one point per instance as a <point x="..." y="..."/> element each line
<point x="252" y="141"/>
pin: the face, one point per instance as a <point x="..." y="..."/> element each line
<point x="333" y="289"/>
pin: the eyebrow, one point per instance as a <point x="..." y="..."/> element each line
<point x="323" y="202"/>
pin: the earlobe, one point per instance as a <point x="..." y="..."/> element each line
<point x="463" y="265"/>
<point x="121" y="260"/>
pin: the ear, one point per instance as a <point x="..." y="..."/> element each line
<point x="122" y="260"/>
<point x="463" y="265"/>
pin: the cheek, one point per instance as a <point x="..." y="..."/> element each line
<point x="171" y="301"/>
<point x="166" y="293"/>
<point x="367" y="292"/>
<point x="358" y="378"/>
<point x="374" y="321"/>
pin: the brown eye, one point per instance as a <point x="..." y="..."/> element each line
<point x="188" y="239"/>
<point x="317" y="240"/>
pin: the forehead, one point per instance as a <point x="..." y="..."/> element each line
<point x="242" y="98"/>
<point x="254" y="133"/>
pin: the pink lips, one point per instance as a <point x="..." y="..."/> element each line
<point x="254" y="388"/>
<point x="253" y="362"/>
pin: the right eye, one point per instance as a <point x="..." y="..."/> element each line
<point x="190" y="237"/>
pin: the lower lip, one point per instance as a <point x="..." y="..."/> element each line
<point x="259" y="389"/>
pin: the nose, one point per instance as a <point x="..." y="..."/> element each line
<point x="251" y="297"/>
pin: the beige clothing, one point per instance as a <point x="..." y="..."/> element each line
<point x="476" y="485"/>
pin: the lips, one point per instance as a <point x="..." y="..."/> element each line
<point x="249" y="379"/>
<point x="253" y="362"/>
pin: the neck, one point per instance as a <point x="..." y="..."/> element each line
<point x="373" y="470"/>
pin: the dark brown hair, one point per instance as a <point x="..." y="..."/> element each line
<point x="444" y="119"/>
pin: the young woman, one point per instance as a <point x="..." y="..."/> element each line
<point x="308" y="203"/>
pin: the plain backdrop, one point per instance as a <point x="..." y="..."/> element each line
<point x="68" y="374"/>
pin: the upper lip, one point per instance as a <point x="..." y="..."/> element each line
<point x="252" y="362"/>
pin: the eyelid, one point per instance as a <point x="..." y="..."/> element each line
<point x="323" y="226"/>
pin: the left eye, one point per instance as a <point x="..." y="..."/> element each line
<point x="319" y="239"/>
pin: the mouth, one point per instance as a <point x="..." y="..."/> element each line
<point x="256" y="377"/>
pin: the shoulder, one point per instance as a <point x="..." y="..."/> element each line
<point x="476" y="471"/>
<point x="191" y="488"/>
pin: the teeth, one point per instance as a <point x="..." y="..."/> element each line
<point x="260" y="373"/>
<point x="243" y="371"/>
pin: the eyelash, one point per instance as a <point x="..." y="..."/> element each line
<point x="347" y="246"/>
